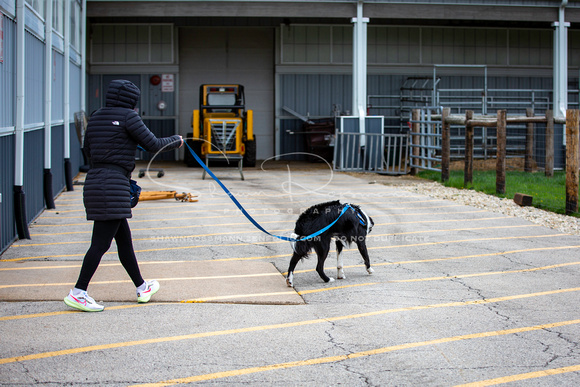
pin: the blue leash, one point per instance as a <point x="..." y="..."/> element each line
<point x="233" y="198"/>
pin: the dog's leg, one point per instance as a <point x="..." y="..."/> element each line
<point x="339" y="266"/>
<point x="293" y="262"/>
<point x="362" y="248"/>
<point x="322" y="252"/>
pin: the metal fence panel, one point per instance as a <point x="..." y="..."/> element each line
<point x="371" y="152"/>
<point x="426" y="146"/>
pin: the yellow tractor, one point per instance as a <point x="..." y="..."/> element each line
<point x="222" y="127"/>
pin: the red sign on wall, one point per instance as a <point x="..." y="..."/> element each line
<point x="167" y="83"/>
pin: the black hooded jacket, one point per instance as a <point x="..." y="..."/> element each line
<point x="111" y="140"/>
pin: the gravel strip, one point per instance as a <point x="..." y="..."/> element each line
<point x="564" y="223"/>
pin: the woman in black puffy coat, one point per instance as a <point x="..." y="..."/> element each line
<point x="111" y="140"/>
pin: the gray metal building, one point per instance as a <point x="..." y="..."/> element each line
<point x="41" y="87"/>
<point x="288" y="54"/>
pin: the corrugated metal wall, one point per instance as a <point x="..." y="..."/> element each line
<point x="33" y="173"/>
<point x="313" y="95"/>
<point x="7" y="74"/>
<point x="76" y="156"/>
<point x="33" y="126"/>
<point x="57" y="163"/>
<point x="74" y="90"/>
<point x="34" y="80"/>
<point x="7" y="226"/>
<point x="7" y="111"/>
<point x="230" y="55"/>
<point x="57" y="87"/>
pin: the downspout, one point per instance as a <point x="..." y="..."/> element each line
<point x="560" y="65"/>
<point x="359" y="64"/>
<point x="48" y="195"/>
<point x="20" y="217"/>
<point x="83" y="55"/>
<point x="66" y="115"/>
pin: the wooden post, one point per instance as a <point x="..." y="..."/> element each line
<point x="445" y="146"/>
<point x="501" y="152"/>
<point x="529" y="158"/>
<point x="468" y="170"/>
<point x="549" y="167"/>
<point x="572" y="123"/>
<point x="415" y="127"/>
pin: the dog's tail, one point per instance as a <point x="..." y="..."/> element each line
<point x="293" y="243"/>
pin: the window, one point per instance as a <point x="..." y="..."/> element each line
<point x="132" y="43"/>
<point x="37" y="5"/>
<point x="58" y="16"/>
<point x="75" y="24"/>
<point x="316" y="44"/>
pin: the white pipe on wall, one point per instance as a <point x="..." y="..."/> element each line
<point x="20" y="69"/>
<point x="66" y="91"/>
<point x="48" y="86"/>
<point x="560" y="65"/>
<point x="83" y="23"/>
<point x="359" y="66"/>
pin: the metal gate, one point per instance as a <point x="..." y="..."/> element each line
<point x="426" y="140"/>
<point x="371" y="152"/>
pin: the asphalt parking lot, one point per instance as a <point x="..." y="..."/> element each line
<point x="459" y="295"/>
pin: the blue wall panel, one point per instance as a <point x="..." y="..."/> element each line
<point x="34" y="80"/>
<point x="75" y="90"/>
<point x="76" y="156"/>
<point x="57" y="162"/>
<point x="34" y="173"/>
<point x="7" y="227"/>
<point x="57" y="80"/>
<point x="8" y="74"/>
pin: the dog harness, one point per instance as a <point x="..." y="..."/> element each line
<point x="254" y="222"/>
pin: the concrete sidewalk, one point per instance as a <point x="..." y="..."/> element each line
<point x="48" y="261"/>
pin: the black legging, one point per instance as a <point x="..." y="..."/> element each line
<point x="103" y="234"/>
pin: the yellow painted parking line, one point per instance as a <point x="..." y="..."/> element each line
<point x="158" y="279"/>
<point x="65" y="312"/>
<point x="372" y="352"/>
<point x="466" y="240"/>
<point x="455" y="258"/>
<point x="164" y="228"/>
<point x="239" y="214"/>
<point x="264" y="222"/>
<point x="177" y="237"/>
<point x="302" y="292"/>
<point x="478" y="255"/>
<point x="452" y="230"/>
<point x="132" y="221"/>
<point x="284" y="255"/>
<point x="527" y="375"/>
<point x="442" y="221"/>
<point x="234" y="296"/>
<point x="488" y="273"/>
<point x="258" y="328"/>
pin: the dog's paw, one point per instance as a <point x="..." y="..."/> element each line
<point x="370" y="270"/>
<point x="330" y="279"/>
<point x="289" y="281"/>
<point x="340" y="274"/>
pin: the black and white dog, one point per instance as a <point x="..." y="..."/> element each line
<point x="353" y="226"/>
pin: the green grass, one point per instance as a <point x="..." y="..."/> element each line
<point x="548" y="193"/>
